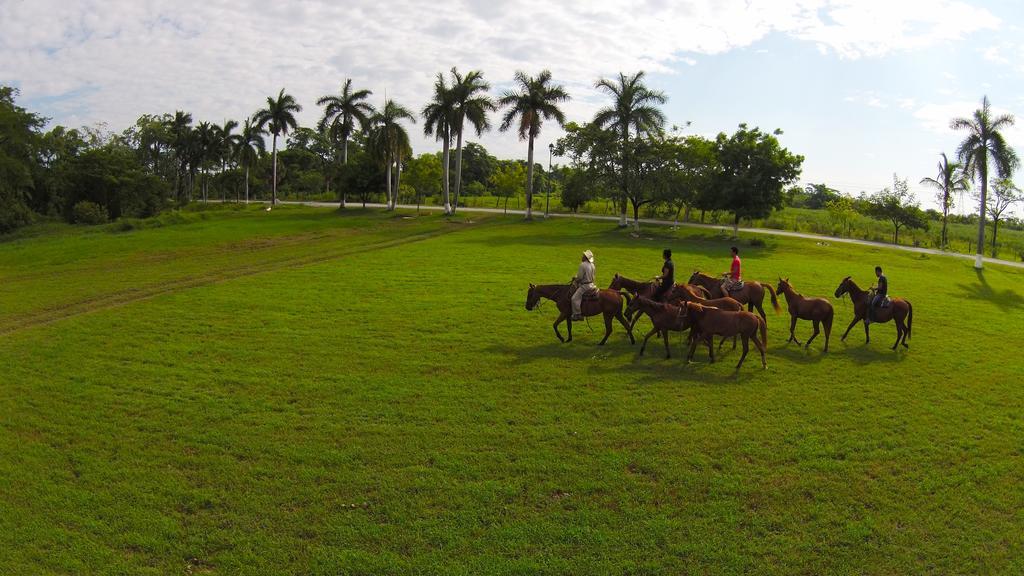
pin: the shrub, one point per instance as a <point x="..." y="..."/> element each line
<point x="86" y="212"/>
<point x="13" y="212"/>
<point x="757" y="242"/>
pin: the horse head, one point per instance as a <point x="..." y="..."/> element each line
<point x="844" y="287"/>
<point x="695" y="277"/>
<point x="532" y="297"/>
<point x="783" y="285"/>
<point x="616" y="282"/>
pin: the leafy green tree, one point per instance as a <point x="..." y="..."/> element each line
<point x="1004" y="195"/>
<point x="818" y="195"/>
<point x="985" y="143"/>
<point x="205" y="150"/>
<point x="278" y="117"/>
<point x="753" y="170"/>
<point x="576" y="191"/>
<point x="470" y="104"/>
<point x="507" y="181"/>
<point x="692" y="164"/>
<point x="535" y="100"/>
<point x="180" y="128"/>
<point x="342" y="113"/>
<point x="899" y="207"/>
<point x="950" y="181"/>
<point x="477" y="165"/>
<point x="438" y="121"/>
<point x="634" y="109"/>
<point x="842" y="211"/>
<point x="19" y="133"/>
<point x="423" y="174"/>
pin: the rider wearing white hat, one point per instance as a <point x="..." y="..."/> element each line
<point x="584" y="283"/>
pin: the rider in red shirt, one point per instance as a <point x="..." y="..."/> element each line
<point x="733" y="277"/>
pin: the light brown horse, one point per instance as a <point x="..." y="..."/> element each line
<point x="817" y="310"/>
<point x="899" y="310"/>
<point x="681" y="295"/>
<point x="608" y="303"/>
<point x="709" y="322"/>
<point x="664" y="317"/>
<point x="752" y="293"/>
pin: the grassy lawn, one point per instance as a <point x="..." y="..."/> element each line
<point x="313" y="392"/>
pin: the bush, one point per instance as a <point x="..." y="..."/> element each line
<point x="757" y="243"/>
<point x="86" y="212"/>
<point x="13" y="212"/>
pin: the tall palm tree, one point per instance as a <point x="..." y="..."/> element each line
<point x="438" y="118"/>
<point x="390" y="140"/>
<point x="180" y="127"/>
<point x="985" y="142"/>
<point x="341" y="114"/>
<point x="535" y="100"/>
<point x="950" y="181"/>
<point x="634" y="109"/>
<point x="205" y="150"/>
<point x="248" y="148"/>
<point x="470" y="104"/>
<point x="278" y="117"/>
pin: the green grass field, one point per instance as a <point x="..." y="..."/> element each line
<point x="314" y="392"/>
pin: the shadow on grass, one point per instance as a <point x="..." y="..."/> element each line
<point x="1005" y="299"/>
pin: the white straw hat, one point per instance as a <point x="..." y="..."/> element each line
<point x="589" y="256"/>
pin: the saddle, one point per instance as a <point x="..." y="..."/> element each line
<point x="592" y="295"/>
<point x="883" y="304"/>
<point x="736" y="287"/>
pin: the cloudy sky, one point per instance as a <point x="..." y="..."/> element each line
<point x="861" y="88"/>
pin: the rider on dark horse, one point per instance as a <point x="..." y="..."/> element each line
<point x="583" y="283"/>
<point x="881" y="290"/>
<point x="667" y="277"/>
<point x="733" y="278"/>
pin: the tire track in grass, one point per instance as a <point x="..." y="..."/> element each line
<point x="132" y="295"/>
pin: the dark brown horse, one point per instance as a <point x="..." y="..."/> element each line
<point x="752" y="293"/>
<point x="817" y="310"/>
<point x="647" y="288"/>
<point x="665" y="317"/>
<point x="608" y="303"/>
<point x="899" y="310"/>
<point x="709" y="322"/>
<point x="681" y="295"/>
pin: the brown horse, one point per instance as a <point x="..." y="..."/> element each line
<point x="817" y="310"/>
<point x="752" y="293"/>
<point x="709" y="322"/>
<point x="608" y="303"/>
<point x="646" y="288"/>
<point x="899" y="310"/>
<point x="680" y="294"/>
<point x="665" y="317"/>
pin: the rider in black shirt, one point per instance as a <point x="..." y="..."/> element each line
<point x="668" y="276"/>
<point x="881" y="290"/>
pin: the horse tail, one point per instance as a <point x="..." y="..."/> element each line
<point x="910" y="318"/>
<point x="775" y="298"/>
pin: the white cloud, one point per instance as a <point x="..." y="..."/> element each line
<point x="114" y="60"/>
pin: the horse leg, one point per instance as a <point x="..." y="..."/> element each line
<point x="711" y="347"/>
<point x="720" y="342"/>
<point x="558" y="321"/>
<point x="792" y="330"/>
<point x="814" y="335"/>
<point x="693" y="348"/>
<point x="760" y="348"/>
<point x="848" y="328"/>
<point x="746" y="348"/>
<point x="607" y="328"/>
<point x="668" y="352"/>
<point x="644" y="345"/>
<point x="906" y="332"/>
<point x="629" y="328"/>
<point x="828" y="331"/>
<point x="867" y="334"/>
<point x="899" y="332"/>
<point x="760" y="310"/>
<point x="568" y="328"/>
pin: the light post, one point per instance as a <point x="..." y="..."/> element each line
<point x="547" y="202"/>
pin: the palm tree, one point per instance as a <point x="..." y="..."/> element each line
<point x="341" y="113"/>
<point x="248" y="148"/>
<point x="438" y="118"/>
<point x="985" y="142"/>
<point x="634" y="109"/>
<point x="469" y="104"/>
<point x="950" y="180"/>
<point x="205" y="148"/>
<point x="390" y="141"/>
<point x="180" y="127"/>
<point x="278" y="117"/>
<point x="536" y="100"/>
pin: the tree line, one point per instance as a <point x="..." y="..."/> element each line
<point x="626" y="154"/>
